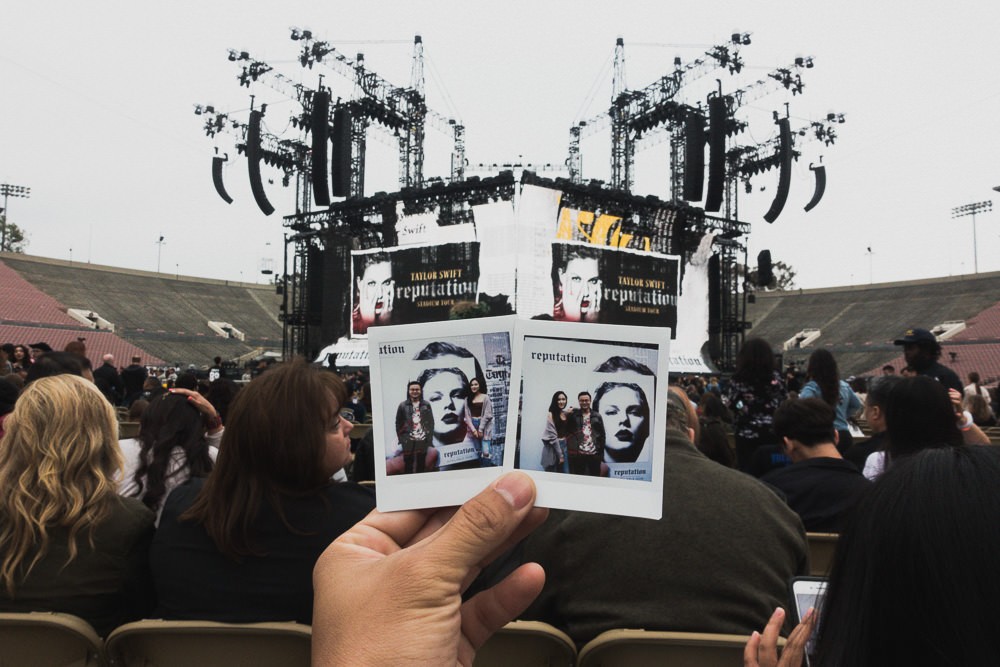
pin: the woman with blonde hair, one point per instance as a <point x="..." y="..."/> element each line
<point x="68" y="541"/>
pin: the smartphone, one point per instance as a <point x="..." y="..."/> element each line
<point x="808" y="592"/>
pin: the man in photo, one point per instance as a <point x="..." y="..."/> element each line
<point x="586" y="441"/>
<point x="374" y="292"/>
<point x="414" y="428"/>
<point x="576" y="282"/>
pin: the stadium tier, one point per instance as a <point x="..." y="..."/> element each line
<point x="165" y="317"/>
<point x="858" y="324"/>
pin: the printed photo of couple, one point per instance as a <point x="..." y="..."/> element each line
<point x="598" y="420"/>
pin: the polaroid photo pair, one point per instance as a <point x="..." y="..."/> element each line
<point x="580" y="407"/>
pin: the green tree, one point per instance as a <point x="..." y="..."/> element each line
<point x="11" y="236"/>
<point x="784" y="277"/>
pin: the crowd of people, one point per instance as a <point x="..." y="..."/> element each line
<point x="242" y="504"/>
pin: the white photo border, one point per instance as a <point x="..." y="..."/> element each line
<point x="595" y="494"/>
<point x="445" y="488"/>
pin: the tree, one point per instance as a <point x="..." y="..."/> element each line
<point x="784" y="277"/>
<point x="11" y="236"/>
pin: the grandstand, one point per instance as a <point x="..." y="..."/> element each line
<point x="162" y="318"/>
<point x="858" y="324"/>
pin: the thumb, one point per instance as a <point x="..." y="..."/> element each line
<point x="483" y="525"/>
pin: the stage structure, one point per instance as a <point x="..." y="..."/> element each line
<point x="555" y="248"/>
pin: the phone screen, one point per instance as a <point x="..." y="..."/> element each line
<point x="809" y="593"/>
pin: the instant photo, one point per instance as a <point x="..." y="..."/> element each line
<point x="592" y="424"/>
<point x="442" y="392"/>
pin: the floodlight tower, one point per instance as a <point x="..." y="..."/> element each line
<point x="972" y="209"/>
<point x="8" y="190"/>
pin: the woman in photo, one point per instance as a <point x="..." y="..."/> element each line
<point x="446" y="390"/>
<point x="557" y="427"/>
<point x="479" y="412"/>
<point x="576" y="282"/>
<point x="625" y="412"/>
<point x="374" y="292"/>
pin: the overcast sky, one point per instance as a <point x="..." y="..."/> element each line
<point x="97" y="98"/>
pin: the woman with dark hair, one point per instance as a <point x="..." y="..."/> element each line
<point x="913" y="579"/>
<point x="875" y="402"/>
<point x="920" y="414"/>
<point x="714" y="441"/>
<point x="447" y="391"/>
<point x="479" y="410"/>
<point x="576" y="283"/>
<point x="979" y="408"/>
<point x="975" y="387"/>
<point x="755" y="392"/>
<point x="240" y="545"/>
<point x="21" y="361"/>
<point x="825" y="383"/>
<point x="374" y="292"/>
<point x="557" y="427"/>
<point x="624" y="409"/>
<point x="179" y="436"/>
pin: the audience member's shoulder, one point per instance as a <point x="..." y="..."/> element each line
<point x="352" y="490"/>
<point x="130" y="513"/>
<point x="184" y="494"/>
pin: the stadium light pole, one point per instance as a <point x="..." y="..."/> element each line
<point x="972" y="209"/>
<point x="8" y="190"/>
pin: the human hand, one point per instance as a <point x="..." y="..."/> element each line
<point x="762" y="649"/>
<point x="956" y="402"/>
<point x="389" y="590"/>
<point x="203" y="406"/>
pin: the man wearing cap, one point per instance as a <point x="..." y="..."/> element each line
<point x="922" y="350"/>
<point x="718" y="560"/>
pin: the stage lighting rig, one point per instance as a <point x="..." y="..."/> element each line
<point x="643" y="111"/>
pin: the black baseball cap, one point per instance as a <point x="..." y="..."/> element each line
<point x="916" y="336"/>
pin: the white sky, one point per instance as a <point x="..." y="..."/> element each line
<point x="96" y="117"/>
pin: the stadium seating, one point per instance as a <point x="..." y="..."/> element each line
<point x="48" y="639"/>
<point x="209" y="644"/>
<point x="166" y="316"/>
<point x="860" y="323"/>
<point x="643" y="648"/>
<point x="527" y="644"/>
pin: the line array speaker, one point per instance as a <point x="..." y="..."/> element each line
<point x="220" y="187"/>
<point x="340" y="160"/>
<point x="785" y="173"/>
<point x="320" y="142"/>
<point x="253" y="161"/>
<point x="694" y="155"/>
<point x="716" y="153"/>
<point x="765" y="272"/>
<point x="820" y="173"/>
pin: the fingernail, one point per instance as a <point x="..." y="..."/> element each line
<point x="778" y="611"/>
<point x="754" y="635"/>
<point x="516" y="489"/>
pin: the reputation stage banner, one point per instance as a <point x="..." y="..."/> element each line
<point x="614" y="286"/>
<point x="412" y="284"/>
